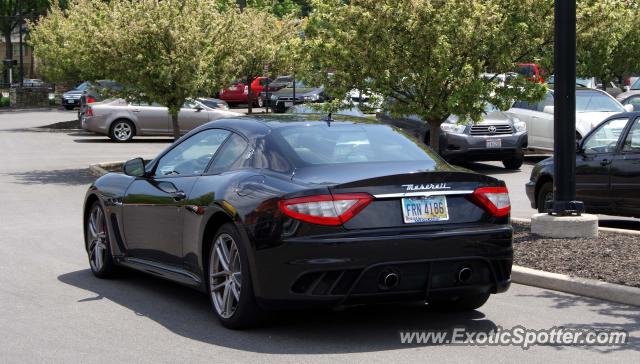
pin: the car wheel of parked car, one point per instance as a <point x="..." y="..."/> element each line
<point x="97" y="243"/>
<point x="67" y="107"/>
<point x="545" y="193"/>
<point x="122" y="131"/>
<point x="513" y="163"/>
<point x="466" y="302"/>
<point x="260" y="101"/>
<point x="229" y="280"/>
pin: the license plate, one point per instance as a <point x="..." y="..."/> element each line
<point x="72" y="101"/>
<point x="288" y="103"/>
<point x="232" y="88"/>
<point x="424" y="209"/>
<point x="494" y="143"/>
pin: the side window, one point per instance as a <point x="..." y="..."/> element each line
<point x="605" y="138"/>
<point x="231" y="155"/>
<point x="547" y="101"/>
<point x="189" y="104"/>
<point x="191" y="156"/>
<point x="635" y="101"/>
<point x="632" y="143"/>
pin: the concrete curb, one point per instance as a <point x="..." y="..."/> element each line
<point x="579" y="286"/>
<point x="604" y="229"/>
<point x="100" y="169"/>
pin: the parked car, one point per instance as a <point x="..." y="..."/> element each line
<point x="280" y="83"/>
<point x="71" y="98"/>
<point x="531" y="71"/>
<point x="499" y="136"/>
<point x="121" y="121"/>
<point x="238" y="92"/>
<point x="607" y="170"/>
<point x="366" y="100"/>
<point x="633" y="100"/>
<point x="283" y="99"/>
<point x="213" y="103"/>
<point x="30" y="82"/>
<point x="592" y="107"/>
<point x="629" y="81"/>
<point x="634" y="89"/>
<point x="96" y="92"/>
<point x="590" y="82"/>
<point x="271" y="212"/>
<point x="305" y="109"/>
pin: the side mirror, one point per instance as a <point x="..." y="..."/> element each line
<point x="548" y="109"/>
<point x="198" y="108"/>
<point x="134" y="167"/>
<point x="629" y="108"/>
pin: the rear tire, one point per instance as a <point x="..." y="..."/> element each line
<point x="545" y="193"/>
<point x="468" y="302"/>
<point x="122" y="131"/>
<point x="228" y="280"/>
<point x="98" y="243"/>
<point x="513" y="162"/>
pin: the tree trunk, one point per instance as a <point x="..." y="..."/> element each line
<point x="174" y="123"/>
<point x="434" y="134"/>
<point x="8" y="54"/>
<point x="249" y="95"/>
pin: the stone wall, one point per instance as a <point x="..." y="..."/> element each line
<point x="25" y="97"/>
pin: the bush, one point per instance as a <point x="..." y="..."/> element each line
<point x="4" y="102"/>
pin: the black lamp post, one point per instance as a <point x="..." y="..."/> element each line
<point x="20" y="20"/>
<point x="565" y="112"/>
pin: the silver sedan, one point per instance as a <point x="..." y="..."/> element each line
<point x="121" y="120"/>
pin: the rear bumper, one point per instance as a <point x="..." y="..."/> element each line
<point x="474" y="147"/>
<point x="347" y="268"/>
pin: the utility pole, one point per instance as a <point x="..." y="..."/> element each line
<point x="565" y="112"/>
<point x="21" y="45"/>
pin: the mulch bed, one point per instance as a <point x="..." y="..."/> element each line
<point x="63" y="125"/>
<point x="612" y="257"/>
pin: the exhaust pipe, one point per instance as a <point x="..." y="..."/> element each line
<point x="465" y="274"/>
<point x="389" y="279"/>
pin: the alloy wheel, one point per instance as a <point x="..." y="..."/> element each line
<point x="97" y="239"/>
<point x="225" y="275"/>
<point x="122" y="131"/>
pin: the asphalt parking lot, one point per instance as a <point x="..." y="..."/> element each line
<point x="53" y="309"/>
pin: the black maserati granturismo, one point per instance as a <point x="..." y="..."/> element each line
<point x="265" y="213"/>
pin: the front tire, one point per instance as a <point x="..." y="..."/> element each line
<point x="122" y="131"/>
<point x="513" y="162"/>
<point x="545" y="193"/>
<point x="229" y="280"/>
<point x="97" y="243"/>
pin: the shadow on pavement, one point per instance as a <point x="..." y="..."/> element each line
<point x="627" y="224"/>
<point x="106" y="140"/>
<point x="71" y="177"/>
<point x="187" y="313"/>
<point x="629" y="315"/>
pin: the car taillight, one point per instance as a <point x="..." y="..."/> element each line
<point x="493" y="199"/>
<point x="325" y="209"/>
<point x="91" y="100"/>
<point x="89" y="112"/>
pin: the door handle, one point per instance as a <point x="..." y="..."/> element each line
<point x="136" y="110"/>
<point x="179" y="195"/>
<point x="605" y="162"/>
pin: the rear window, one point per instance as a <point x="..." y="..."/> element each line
<point x="594" y="101"/>
<point x="321" y="144"/>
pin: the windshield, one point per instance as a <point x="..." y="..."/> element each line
<point x="594" y="101"/>
<point x="321" y="144"/>
<point x="283" y="79"/>
<point x="490" y="108"/>
<point x="214" y="104"/>
<point x="298" y="84"/>
<point x="83" y="86"/>
<point x="636" y="85"/>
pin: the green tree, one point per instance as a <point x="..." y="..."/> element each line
<point x="10" y="13"/>
<point x="427" y="55"/>
<point x="265" y="42"/>
<point x="164" y="51"/>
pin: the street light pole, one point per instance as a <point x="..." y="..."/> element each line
<point x="21" y="45"/>
<point x="564" y="203"/>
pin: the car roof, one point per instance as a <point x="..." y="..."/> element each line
<point x="259" y="125"/>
